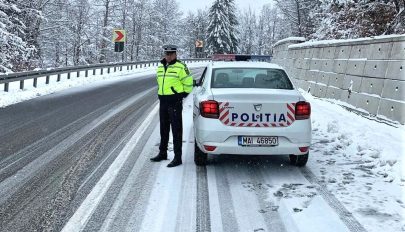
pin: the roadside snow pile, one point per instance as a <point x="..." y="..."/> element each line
<point x="362" y="163"/>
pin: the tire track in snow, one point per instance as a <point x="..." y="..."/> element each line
<point x="203" y="204"/>
<point x="271" y="215"/>
<point x="229" y="222"/>
<point x="347" y="218"/>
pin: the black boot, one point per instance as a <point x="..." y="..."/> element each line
<point x="175" y="162"/>
<point x="161" y="156"/>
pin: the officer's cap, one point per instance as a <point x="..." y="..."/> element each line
<point x="169" y="48"/>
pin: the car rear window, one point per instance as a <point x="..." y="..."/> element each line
<point x="260" y="78"/>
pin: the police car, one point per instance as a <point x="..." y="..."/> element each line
<point x="250" y="108"/>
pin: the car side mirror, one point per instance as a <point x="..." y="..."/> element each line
<point x="195" y="84"/>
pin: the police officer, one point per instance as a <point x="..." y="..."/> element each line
<point x="175" y="83"/>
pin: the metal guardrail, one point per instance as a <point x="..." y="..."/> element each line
<point x="22" y="76"/>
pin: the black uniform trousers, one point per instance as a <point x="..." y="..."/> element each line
<point x="170" y="114"/>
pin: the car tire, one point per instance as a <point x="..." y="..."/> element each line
<point x="200" y="158"/>
<point x="299" y="160"/>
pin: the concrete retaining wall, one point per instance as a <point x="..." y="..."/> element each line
<point x="367" y="73"/>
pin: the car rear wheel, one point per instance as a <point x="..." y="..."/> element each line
<point x="299" y="160"/>
<point x="200" y="158"/>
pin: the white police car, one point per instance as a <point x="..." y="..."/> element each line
<point x="250" y="108"/>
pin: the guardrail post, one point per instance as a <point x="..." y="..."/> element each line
<point x="47" y="80"/>
<point x="35" y="82"/>
<point x="22" y="84"/>
<point x="68" y="77"/>
<point x="120" y="68"/>
<point x="101" y="71"/>
<point x="86" y="73"/>
<point x="58" y="78"/>
<point x="94" y="72"/>
<point x="78" y="74"/>
<point x="5" y="87"/>
<point x="149" y="65"/>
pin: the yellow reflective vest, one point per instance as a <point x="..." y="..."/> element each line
<point x="175" y="79"/>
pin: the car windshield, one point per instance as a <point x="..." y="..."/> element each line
<point x="261" y="78"/>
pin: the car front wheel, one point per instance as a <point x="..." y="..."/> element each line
<point x="299" y="160"/>
<point x="200" y="158"/>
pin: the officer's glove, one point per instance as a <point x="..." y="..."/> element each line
<point x="185" y="94"/>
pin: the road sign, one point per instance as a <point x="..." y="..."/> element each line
<point x="119" y="36"/>
<point x="199" y="44"/>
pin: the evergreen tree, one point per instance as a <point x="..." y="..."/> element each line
<point x="222" y="27"/>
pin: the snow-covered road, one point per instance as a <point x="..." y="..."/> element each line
<point x="354" y="179"/>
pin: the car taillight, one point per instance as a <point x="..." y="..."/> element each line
<point x="209" y="109"/>
<point x="302" y="110"/>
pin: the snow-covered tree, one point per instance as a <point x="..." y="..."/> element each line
<point x="248" y="32"/>
<point x="14" y="50"/>
<point x="298" y="14"/>
<point x="222" y="34"/>
<point x="194" y="28"/>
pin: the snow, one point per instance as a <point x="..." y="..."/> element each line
<point x="340" y="41"/>
<point x="290" y="39"/>
<point x="362" y="163"/>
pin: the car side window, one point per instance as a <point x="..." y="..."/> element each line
<point x="202" y="78"/>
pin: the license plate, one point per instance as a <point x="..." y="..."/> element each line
<point x="258" y="140"/>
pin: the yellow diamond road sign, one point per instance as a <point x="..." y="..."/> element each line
<point x="119" y="36"/>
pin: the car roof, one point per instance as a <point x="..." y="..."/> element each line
<point x="244" y="64"/>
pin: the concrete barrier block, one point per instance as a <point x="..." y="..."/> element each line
<point x="311" y="88"/>
<point x="333" y="93"/>
<point x="353" y="81"/>
<point x="372" y="85"/>
<point x="336" y="80"/>
<point x="309" y="52"/>
<point x="393" y="110"/>
<point x="297" y="63"/>
<point x="316" y="64"/>
<point x="328" y="52"/>
<point x="379" y="51"/>
<point x="301" y="54"/>
<point x="303" y="74"/>
<point x="342" y="52"/>
<point x="396" y="70"/>
<point x="355" y="67"/>
<point x="300" y="73"/>
<point x="351" y="98"/>
<point x="327" y="65"/>
<point x="312" y="75"/>
<point x="375" y="69"/>
<point x="368" y="103"/>
<point x="319" y="90"/>
<point x="303" y="85"/>
<point x="394" y="89"/>
<point x="317" y="53"/>
<point x="358" y="51"/>
<point x="306" y="63"/>
<point x="339" y="66"/>
<point x="323" y="78"/>
<point x="398" y="50"/>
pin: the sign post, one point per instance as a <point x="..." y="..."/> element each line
<point x="119" y="38"/>
<point x="199" y="45"/>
